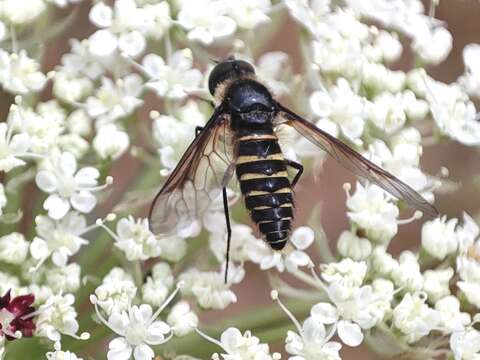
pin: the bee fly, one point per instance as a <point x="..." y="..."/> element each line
<point x="240" y="138"/>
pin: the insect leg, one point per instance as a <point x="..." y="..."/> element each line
<point x="198" y="129"/>
<point x="296" y="166"/>
<point x="229" y="230"/>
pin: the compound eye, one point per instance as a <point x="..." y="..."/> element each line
<point x="228" y="69"/>
<point x="219" y="73"/>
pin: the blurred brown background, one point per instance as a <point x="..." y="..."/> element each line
<point x="463" y="19"/>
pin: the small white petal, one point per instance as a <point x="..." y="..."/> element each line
<point x="302" y="237"/>
<point x="143" y="352"/>
<point x="83" y="201"/>
<point x="39" y="248"/>
<point x="299" y="258"/>
<point x="59" y="258"/>
<point x="132" y="43"/>
<point x="156" y="332"/>
<point x="325" y="313"/>
<point x="119" y="349"/>
<point x="102" y="43"/>
<point x="223" y="26"/>
<point x="119" y="322"/>
<point x="56" y="206"/>
<point x="350" y="333"/>
<point x="87" y="176"/>
<point x="46" y="181"/>
<point x="101" y="15"/>
<point x="68" y="163"/>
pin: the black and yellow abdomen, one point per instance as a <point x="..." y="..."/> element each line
<point x="264" y="182"/>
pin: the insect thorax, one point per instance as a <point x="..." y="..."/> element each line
<point x="250" y="105"/>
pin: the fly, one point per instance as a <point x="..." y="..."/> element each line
<point x="241" y="138"/>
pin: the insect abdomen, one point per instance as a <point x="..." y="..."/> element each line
<point x="266" y="188"/>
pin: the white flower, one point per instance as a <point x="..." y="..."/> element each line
<point x="454" y="114"/>
<point x="302" y="237"/>
<point x="57" y="316"/>
<point x="182" y="319"/>
<point x="21" y="12"/>
<point x="122" y="28"/>
<point x="67" y="186"/>
<point x="116" y="292"/>
<point x="403" y="159"/>
<point x="342" y="107"/>
<point x="250" y="13"/>
<point x="173" y="79"/>
<point x="433" y="46"/>
<point x="355" y="307"/>
<point x="308" y="14"/>
<point x="62" y="355"/>
<point x="471" y="79"/>
<point x="439" y="238"/>
<point x="80" y="63"/>
<point x="346" y="271"/>
<point x="378" y="78"/>
<point x="312" y="340"/>
<point x="312" y="343"/>
<point x="372" y="210"/>
<point x="465" y="344"/>
<point x="389" y="45"/>
<point x="436" y="283"/>
<point x="206" y="21"/>
<point x="63" y="279"/>
<point x="11" y="148"/>
<point x="387" y="113"/>
<point x="59" y="239"/>
<point x="406" y="274"/>
<point x="78" y="122"/>
<point x="113" y="101"/>
<point x="138" y="329"/>
<point x="157" y="286"/>
<point x="352" y="246"/>
<point x="159" y="19"/>
<point x="245" y="347"/>
<point x="13" y="248"/>
<point x="209" y="288"/>
<point x="382" y="262"/>
<point x="110" y="142"/>
<point x="172" y="248"/>
<point x="43" y="128"/>
<point x="414" y="318"/>
<point x="451" y="319"/>
<point x="415" y="109"/>
<point x="71" y="89"/>
<point x="136" y="240"/>
<point x="20" y="74"/>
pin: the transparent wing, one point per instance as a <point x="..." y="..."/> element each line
<point x="205" y="167"/>
<point x="355" y="162"/>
